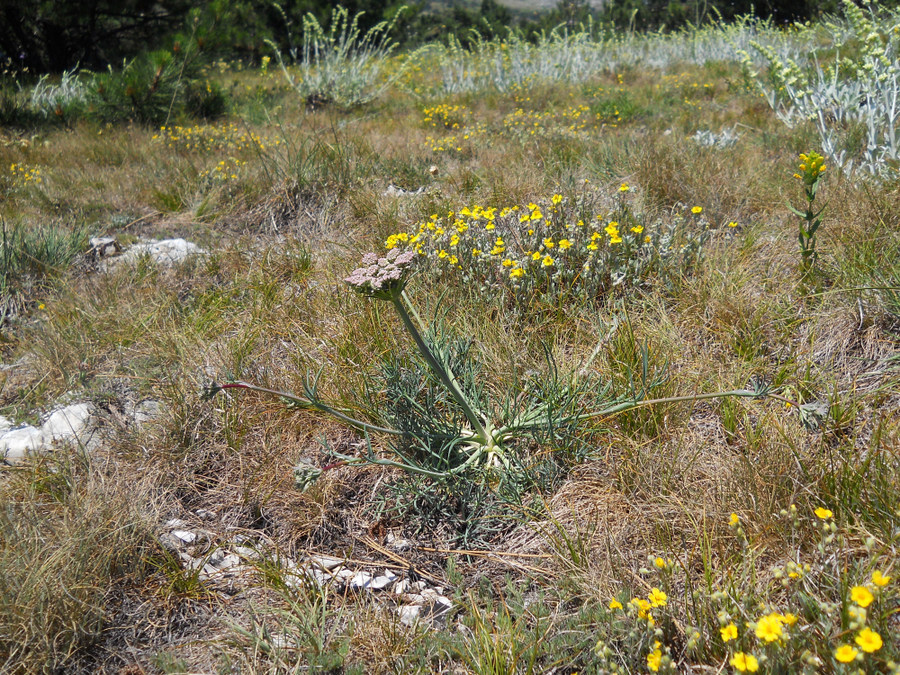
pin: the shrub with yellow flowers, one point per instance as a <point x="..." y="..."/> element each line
<point x="557" y="246"/>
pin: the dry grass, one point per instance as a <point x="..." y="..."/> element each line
<point x="84" y="585"/>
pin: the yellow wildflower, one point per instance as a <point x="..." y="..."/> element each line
<point x="615" y="604"/>
<point x="697" y="210"/>
<point x="769" y="627"/>
<point x="657" y="598"/>
<point x="868" y="640"/>
<point x="845" y="653"/>
<point x="823" y="514"/>
<point x="744" y="663"/>
<point x="862" y="596"/>
<point x="564" y="244"/>
<point x="729" y="632"/>
<point x="654" y="658"/>
<point x="547" y="261"/>
<point x="880" y="579"/>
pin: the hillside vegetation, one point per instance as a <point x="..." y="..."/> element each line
<point x="575" y="355"/>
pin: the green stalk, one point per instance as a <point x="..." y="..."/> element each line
<point x="628" y="405"/>
<point x="447" y="378"/>
<point x="313" y="404"/>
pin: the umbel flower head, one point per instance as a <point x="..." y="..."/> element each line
<point x="382" y="278"/>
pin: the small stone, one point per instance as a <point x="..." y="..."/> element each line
<point x="401" y="586"/>
<point x="326" y="562"/>
<point x="344" y="575"/>
<point x="203" y="514"/>
<point x="246" y="552"/>
<point x="380" y="583"/>
<point x="104" y="246"/>
<point x="185" y="536"/>
<point x="396" y="544"/>
<point x="175" y="523"/>
<point x="360" y="581"/>
<point x="5" y="424"/>
<point x="409" y="614"/>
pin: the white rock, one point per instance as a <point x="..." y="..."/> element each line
<point x="5" y="424"/>
<point x="380" y="583"/>
<point x="401" y="586"/>
<point x="69" y="423"/>
<point x="185" y="536"/>
<point x="446" y="603"/>
<point x="360" y="581"/>
<point x="326" y="562"/>
<point x="246" y="552"/>
<point x="409" y="614"/>
<point x="176" y="523"/>
<point x="394" y="191"/>
<point x="104" y="246"/>
<point x="396" y="544"/>
<point x="17" y="444"/>
<point x="165" y="252"/>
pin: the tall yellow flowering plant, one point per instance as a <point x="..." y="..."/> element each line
<point x="812" y="166"/>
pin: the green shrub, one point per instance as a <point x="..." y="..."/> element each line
<point x="146" y="90"/>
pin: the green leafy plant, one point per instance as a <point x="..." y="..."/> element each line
<point x="148" y="89"/>
<point x="462" y="433"/>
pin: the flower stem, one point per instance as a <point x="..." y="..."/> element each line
<point x="628" y="405"/>
<point x="443" y="372"/>
<point x="318" y="405"/>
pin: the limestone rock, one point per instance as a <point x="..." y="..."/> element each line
<point x="164" y="252"/>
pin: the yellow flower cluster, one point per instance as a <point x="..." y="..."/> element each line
<point x="224" y="171"/>
<point x="549" y="246"/>
<point x="204" y="137"/>
<point x="516" y="241"/>
<point x="447" y="116"/>
<point x="23" y="175"/>
<point x="811" y="166"/>
<point x="569" y="122"/>
<point x="455" y="118"/>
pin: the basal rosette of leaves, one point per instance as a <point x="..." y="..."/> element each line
<point x="556" y="246"/>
